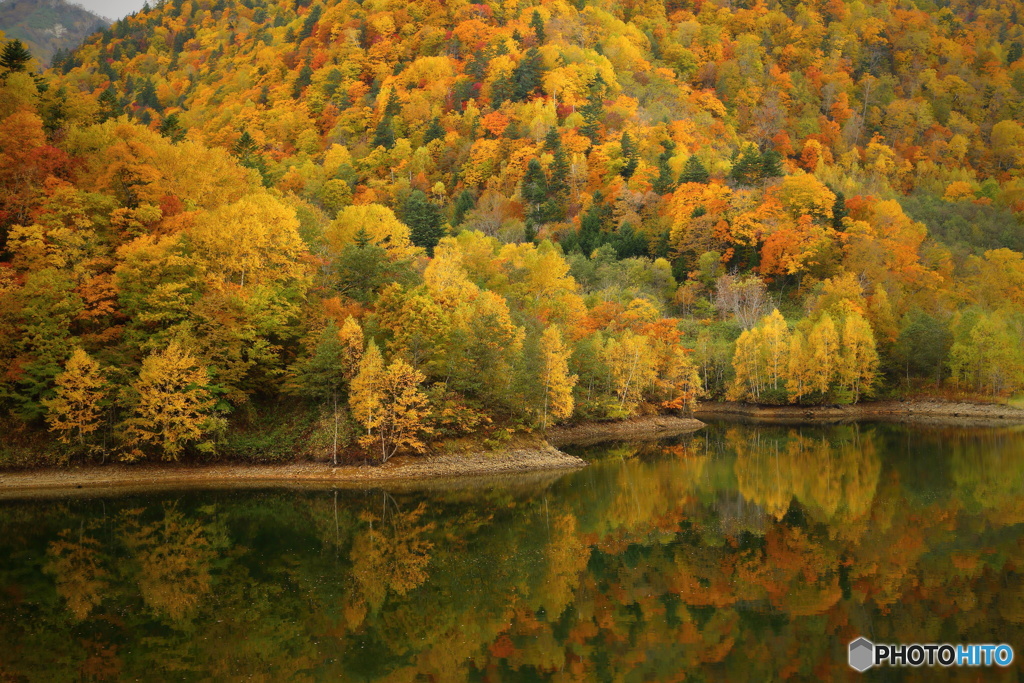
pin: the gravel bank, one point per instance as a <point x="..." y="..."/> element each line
<point x="641" y="428"/>
<point x="920" y="411"/>
<point x="398" y="470"/>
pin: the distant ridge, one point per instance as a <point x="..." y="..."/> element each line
<point x="48" y="26"/>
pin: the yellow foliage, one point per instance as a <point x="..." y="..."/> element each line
<point x="633" y="367"/>
<point x="252" y="242"/>
<point x="389" y="404"/>
<point x="555" y="377"/>
<point x="378" y="224"/>
<point x="172" y="404"/>
<point x="76" y="409"/>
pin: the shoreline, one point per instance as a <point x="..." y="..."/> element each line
<point x="543" y="460"/>
<point x="915" y="411"/>
<point x="538" y="458"/>
<point x="405" y="471"/>
<point x="634" y="429"/>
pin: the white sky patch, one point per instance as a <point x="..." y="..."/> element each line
<point x="112" y="9"/>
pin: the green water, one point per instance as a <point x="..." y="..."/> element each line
<point x="738" y="553"/>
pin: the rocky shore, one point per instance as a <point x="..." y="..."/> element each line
<point x="397" y="470"/>
<point x="922" y="411"/>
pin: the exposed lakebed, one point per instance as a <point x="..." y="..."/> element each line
<point x="739" y="552"/>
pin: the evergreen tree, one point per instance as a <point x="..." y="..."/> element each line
<point x="771" y="164"/>
<point x="535" y="191"/>
<point x="303" y="80"/>
<point x="537" y="24"/>
<point x="839" y="211"/>
<point x="15" y="57"/>
<point x="526" y="75"/>
<point x="551" y="140"/>
<point x="1015" y="52"/>
<point x="147" y="96"/>
<point x="424" y="219"/>
<point x="464" y="203"/>
<point x="477" y="66"/>
<point x="746" y="170"/>
<point x="393" y="106"/>
<point x="362" y="269"/>
<point x="630" y="154"/>
<point x="55" y="111"/>
<point x="435" y="131"/>
<point x="593" y="225"/>
<point x="320" y="377"/>
<point x="628" y="243"/>
<point x="249" y="155"/>
<point x="502" y="90"/>
<point x="310" y="23"/>
<point x="171" y="128"/>
<point x="694" y="171"/>
<point x="664" y="183"/>
<point x="592" y="111"/>
<point x="511" y="131"/>
<point x="558" y="186"/>
<point x="384" y="135"/>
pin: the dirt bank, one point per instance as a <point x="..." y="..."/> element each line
<point x="641" y="428"/>
<point x="397" y="471"/>
<point x="927" y="411"/>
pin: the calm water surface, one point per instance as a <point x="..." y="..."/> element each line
<point x="739" y="553"/>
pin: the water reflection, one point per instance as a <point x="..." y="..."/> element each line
<point x="740" y="553"/>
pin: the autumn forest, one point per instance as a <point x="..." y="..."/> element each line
<point x="248" y="229"/>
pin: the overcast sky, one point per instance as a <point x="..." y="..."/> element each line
<point x="111" y="9"/>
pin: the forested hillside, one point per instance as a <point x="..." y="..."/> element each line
<point x="425" y="220"/>
<point x="49" y="27"/>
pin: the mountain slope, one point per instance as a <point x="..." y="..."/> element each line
<point x="48" y="26"/>
<point x="499" y="216"/>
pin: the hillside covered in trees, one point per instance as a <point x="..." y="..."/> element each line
<point x="432" y="219"/>
<point x="49" y="27"/>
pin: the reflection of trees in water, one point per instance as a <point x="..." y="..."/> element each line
<point x="640" y="567"/>
<point x="737" y="515"/>
<point x="173" y="556"/>
<point x="390" y="554"/>
<point x="987" y="468"/>
<point x="76" y="563"/>
<point x="168" y="559"/>
<point x="834" y="477"/>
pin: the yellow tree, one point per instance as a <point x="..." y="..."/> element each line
<point x="859" y="358"/>
<point x="349" y="344"/>
<point x="76" y="409"/>
<point x="803" y="194"/>
<point x="633" y="368"/>
<point x="557" y="381"/>
<point x="823" y="353"/>
<point x="172" y="404"/>
<point x="681" y="382"/>
<point x="747" y="380"/>
<point x="375" y="223"/>
<point x="253" y="241"/>
<point x="351" y="337"/>
<point x="989" y="356"/>
<point x="799" y="375"/>
<point x="389" y="404"/>
<point x="364" y="393"/>
<point x="774" y="340"/>
<point x="761" y="360"/>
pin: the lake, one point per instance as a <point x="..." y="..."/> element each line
<point x="746" y="553"/>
